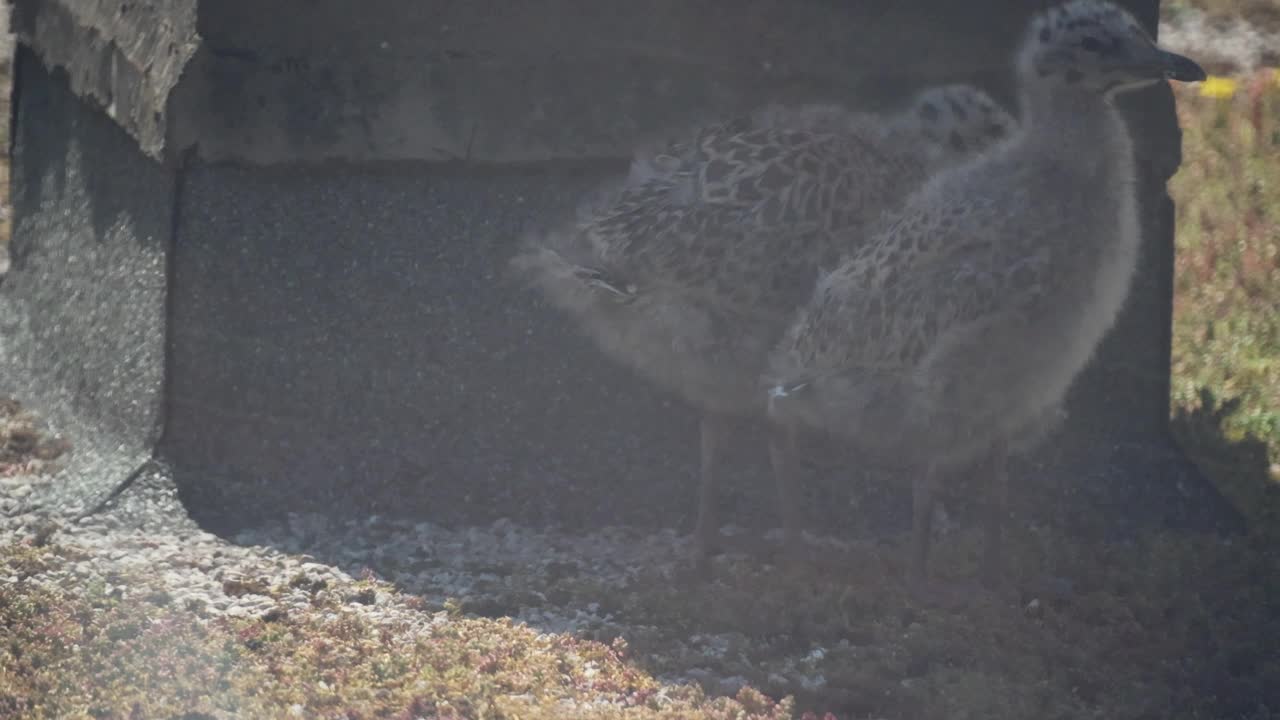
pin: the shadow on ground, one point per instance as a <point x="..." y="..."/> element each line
<point x="1239" y="466"/>
<point x="1156" y="624"/>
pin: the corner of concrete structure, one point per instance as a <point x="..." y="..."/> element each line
<point x="298" y="334"/>
<point x="127" y="56"/>
<point x="82" y="309"/>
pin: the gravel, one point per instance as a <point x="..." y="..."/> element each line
<point x="307" y="561"/>
<point x="1225" y="46"/>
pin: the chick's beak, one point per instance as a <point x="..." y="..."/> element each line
<point x="1178" y="67"/>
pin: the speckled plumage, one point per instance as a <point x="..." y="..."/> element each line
<point x="957" y="329"/>
<point x="689" y="272"/>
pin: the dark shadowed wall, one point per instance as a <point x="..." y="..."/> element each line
<point x="341" y="335"/>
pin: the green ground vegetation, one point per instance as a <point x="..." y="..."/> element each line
<point x="1226" y="332"/>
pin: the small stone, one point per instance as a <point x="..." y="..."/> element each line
<point x="1034" y="609"/>
<point x="240" y="586"/>
<point x="22" y="439"/>
<point x="52" y="449"/>
<point x="44" y="533"/>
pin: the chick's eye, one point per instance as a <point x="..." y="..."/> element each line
<point x="1091" y="44"/>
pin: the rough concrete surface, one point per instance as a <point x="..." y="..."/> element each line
<point x="126" y="55"/>
<point x="82" y="309"/>
<point x="493" y="82"/>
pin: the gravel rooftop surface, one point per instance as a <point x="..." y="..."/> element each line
<point x="1167" y="625"/>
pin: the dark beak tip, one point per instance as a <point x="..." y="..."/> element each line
<point x="1196" y="75"/>
<point x="1183" y="69"/>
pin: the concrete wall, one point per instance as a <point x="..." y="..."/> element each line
<point x="496" y="82"/>
<point x="340" y="336"/>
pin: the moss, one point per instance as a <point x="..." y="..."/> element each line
<point x="1226" y="334"/>
<point x="25" y="449"/>
<point x="93" y="654"/>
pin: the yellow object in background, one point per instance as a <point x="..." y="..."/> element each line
<point x="1221" y="88"/>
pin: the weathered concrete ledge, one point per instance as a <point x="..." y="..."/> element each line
<point x="488" y="81"/>
<point x="127" y="55"/>
<point x="494" y="82"/>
